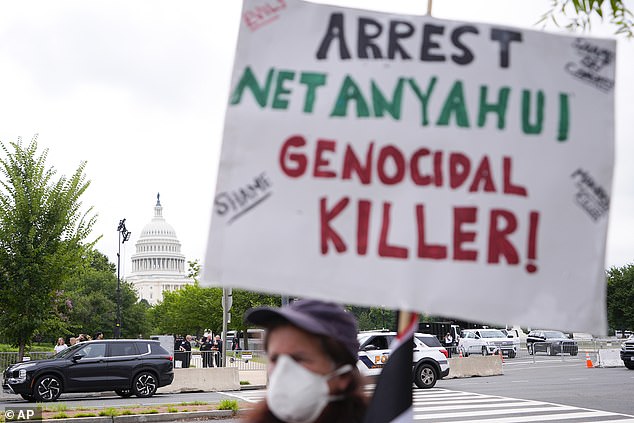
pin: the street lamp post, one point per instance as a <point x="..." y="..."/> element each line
<point x="124" y="235"/>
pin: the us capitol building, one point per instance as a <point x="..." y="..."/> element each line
<point x="157" y="264"/>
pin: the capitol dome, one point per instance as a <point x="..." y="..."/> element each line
<point x="158" y="264"/>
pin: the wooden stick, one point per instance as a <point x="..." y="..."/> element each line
<point x="429" y="7"/>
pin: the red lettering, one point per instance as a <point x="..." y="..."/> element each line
<point x="321" y="163"/>
<point x="327" y="232"/>
<point x="483" y="173"/>
<point x="463" y="215"/>
<point x="509" y="187"/>
<point x="399" y="162"/>
<point x="386" y="250"/>
<point x="352" y="163"/>
<point x="414" y="167"/>
<point x="363" y="225"/>
<point x="499" y="245"/>
<point x="300" y="160"/>
<point x="425" y="250"/>
<point x="459" y="168"/>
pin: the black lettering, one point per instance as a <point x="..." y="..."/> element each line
<point x="369" y="30"/>
<point x="395" y="35"/>
<point x="467" y="54"/>
<point x="504" y="37"/>
<point x="427" y="45"/>
<point x="335" y="31"/>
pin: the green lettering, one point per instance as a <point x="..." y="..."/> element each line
<point x="423" y="97"/>
<point x="248" y="80"/>
<point x="381" y="104"/>
<point x="564" y="117"/>
<point x="350" y="92"/>
<point x="312" y="81"/>
<point x="454" y="104"/>
<point x="280" y="90"/>
<point x="527" y="126"/>
<point x="498" y="108"/>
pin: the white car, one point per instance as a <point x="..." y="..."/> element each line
<point x="486" y="341"/>
<point x="429" y="365"/>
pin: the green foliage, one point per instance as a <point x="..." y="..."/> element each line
<point x="579" y="14"/>
<point x="42" y="241"/>
<point x="110" y="411"/>
<point x="193" y="270"/>
<point x="189" y="310"/>
<point x="227" y="404"/>
<point x="620" y="297"/>
<point x="370" y="318"/>
<point x="244" y="300"/>
<point x="93" y="300"/>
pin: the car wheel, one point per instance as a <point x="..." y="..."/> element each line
<point x="28" y="397"/>
<point x="144" y="385"/>
<point x="123" y="393"/>
<point x="425" y="376"/>
<point x="485" y="351"/>
<point x="629" y="365"/>
<point x="47" y="388"/>
<point x="512" y="354"/>
<point x="573" y="353"/>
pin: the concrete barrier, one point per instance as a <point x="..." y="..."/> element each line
<point x="490" y="365"/>
<point x="610" y="357"/>
<point x="204" y="380"/>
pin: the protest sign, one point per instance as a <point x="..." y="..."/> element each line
<point x="452" y="168"/>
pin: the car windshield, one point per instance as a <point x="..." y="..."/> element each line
<point x="68" y="351"/>
<point x="554" y="334"/>
<point x="492" y="334"/>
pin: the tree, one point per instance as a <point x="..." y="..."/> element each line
<point x="93" y="298"/>
<point x="42" y="240"/>
<point x="620" y="297"/>
<point x="580" y="13"/>
<point x="188" y="310"/>
<point x="244" y="300"/>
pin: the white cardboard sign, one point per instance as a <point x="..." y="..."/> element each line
<point x="452" y="168"/>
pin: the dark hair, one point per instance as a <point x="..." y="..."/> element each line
<point x="350" y="409"/>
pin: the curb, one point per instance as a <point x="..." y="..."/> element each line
<point x="153" y="418"/>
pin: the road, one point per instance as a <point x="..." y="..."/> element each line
<point x="531" y="390"/>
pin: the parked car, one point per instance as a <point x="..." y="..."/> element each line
<point x="126" y="367"/>
<point x="552" y="342"/>
<point x="429" y="364"/>
<point x="627" y="353"/>
<point x="485" y="342"/>
<point x="432" y="342"/>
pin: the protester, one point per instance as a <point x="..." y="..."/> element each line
<point x="72" y="341"/>
<point x="99" y="335"/>
<point x="312" y="348"/>
<point x="60" y="346"/>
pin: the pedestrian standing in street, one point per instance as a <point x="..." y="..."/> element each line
<point x="60" y="346"/>
<point x="312" y="348"/>
<point x="72" y="341"/>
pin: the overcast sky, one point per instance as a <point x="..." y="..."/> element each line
<point x="138" y="90"/>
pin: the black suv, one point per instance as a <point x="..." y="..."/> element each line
<point x="552" y="342"/>
<point x="127" y="367"/>
<point x="627" y="353"/>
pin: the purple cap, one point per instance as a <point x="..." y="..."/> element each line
<point x="317" y="317"/>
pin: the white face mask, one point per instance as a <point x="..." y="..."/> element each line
<point x="297" y="395"/>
